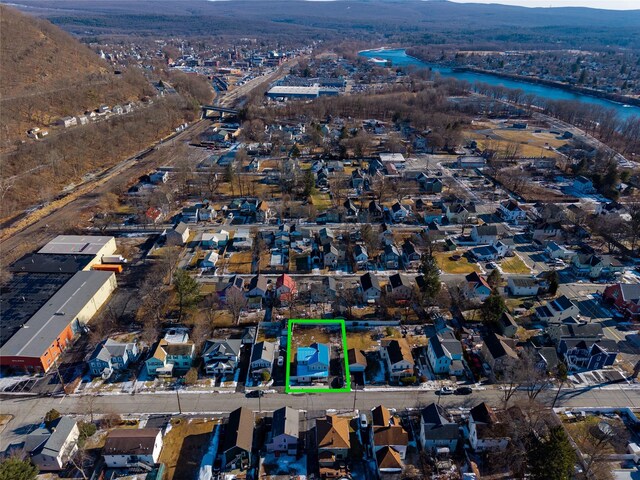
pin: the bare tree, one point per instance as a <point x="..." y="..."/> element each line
<point x="236" y="302"/>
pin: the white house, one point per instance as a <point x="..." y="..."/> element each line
<point x="557" y="310"/>
<point x="178" y="235"/>
<point x="262" y="358"/>
<point x="511" y="211"/>
<point x="397" y="355"/>
<point x="554" y="251"/>
<point x="522" y="286"/>
<point x="111" y="355"/>
<point x="126" y="447"/>
<point x="437" y="430"/>
<point x="486" y="432"/>
<point x="445" y="354"/>
<point x="370" y="288"/>
<point x="51" y="450"/>
<point x="210" y="259"/>
<point x="285" y="431"/>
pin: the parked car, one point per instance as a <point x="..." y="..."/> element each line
<point x="444" y="391"/>
<point x="491" y="265"/>
<point x="463" y="391"/>
<point x="280" y="360"/>
<point x="255" y="394"/>
<point x="364" y="423"/>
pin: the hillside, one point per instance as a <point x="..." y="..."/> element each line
<point x="46" y="74"/>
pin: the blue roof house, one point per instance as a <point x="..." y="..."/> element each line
<point x="312" y="363"/>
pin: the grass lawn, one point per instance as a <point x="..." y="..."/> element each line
<point x="451" y="266"/>
<point x="321" y="201"/>
<point x="582" y="432"/>
<point x="514" y="265"/>
<point x="361" y="340"/>
<point x="184" y="446"/>
<point x="240" y="262"/>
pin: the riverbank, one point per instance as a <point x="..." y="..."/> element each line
<point x="621" y="99"/>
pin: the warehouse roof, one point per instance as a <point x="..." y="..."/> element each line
<point x="78" y="244"/>
<point x="51" y="263"/>
<point x="24" y="295"/>
<point x="287" y="90"/>
<point x="42" y="329"/>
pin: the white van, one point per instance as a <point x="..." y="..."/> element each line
<point x="364" y="423"/>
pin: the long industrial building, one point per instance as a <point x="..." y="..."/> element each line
<point x="36" y="344"/>
<point x="294" y="92"/>
<point x="49" y="296"/>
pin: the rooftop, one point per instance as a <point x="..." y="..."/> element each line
<point x="78" y="244"/>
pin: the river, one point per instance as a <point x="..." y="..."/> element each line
<point x="399" y="57"/>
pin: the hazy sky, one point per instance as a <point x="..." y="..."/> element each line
<point x="605" y="4"/>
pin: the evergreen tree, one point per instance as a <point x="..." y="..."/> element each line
<point x="16" y="469"/>
<point x="492" y="308"/>
<point x="494" y="279"/>
<point x="309" y="183"/>
<point x="551" y="458"/>
<point x="431" y="274"/>
<point x="188" y="290"/>
<point x="554" y="282"/>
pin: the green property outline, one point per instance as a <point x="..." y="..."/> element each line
<point x="308" y="321"/>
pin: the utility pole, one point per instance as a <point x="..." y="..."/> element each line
<point x="178" y="397"/>
<point x="355" y="395"/>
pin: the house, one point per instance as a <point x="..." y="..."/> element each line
<point x="595" y="266"/>
<point x="262" y="358"/>
<point x="522" y="286"/>
<point x="444" y="351"/>
<point x="221" y="356"/>
<point x="468" y="162"/>
<point x="588" y="354"/>
<point x="190" y="214"/>
<point x="159" y="176"/>
<point x="235" y="284"/>
<point x="476" y="287"/>
<point x="263" y="212"/>
<point x="243" y="240"/>
<point x="350" y="208"/>
<point x="67" y="122"/>
<point x="206" y="213"/>
<point x="625" y="297"/>
<point x="370" y="288"/>
<point x="437" y="430"/>
<point x="330" y="255"/>
<point x="555" y="251"/>
<point x="285" y="432"/>
<point x="258" y="286"/>
<point x="210" y="259"/>
<point x="170" y="358"/>
<point x="499" y="352"/>
<point x="388" y="433"/>
<point x="487" y="234"/>
<point x="237" y="442"/>
<point x="360" y="255"/>
<point x="485" y="253"/>
<point x="399" y="212"/>
<point x="400" y="287"/>
<point x="397" y="355"/>
<point x="214" y="240"/>
<point x="583" y="185"/>
<point x="486" y="431"/>
<point x="312" y="363"/>
<point x="555" y="311"/>
<point x="357" y="360"/>
<point x="178" y="235"/>
<point x="390" y="257"/>
<point x="286" y="287"/>
<point x="111" y="355"/>
<point x="511" y="211"/>
<point x="153" y="215"/>
<point x="333" y="443"/>
<point x="375" y="211"/>
<point x="545" y="230"/>
<point x="429" y="184"/>
<point x="457" y="212"/>
<point x="573" y="329"/>
<point x="326" y="235"/>
<point x="507" y="326"/>
<point x="126" y="447"/>
<point x="324" y="291"/>
<point x="410" y="253"/>
<point x="51" y="449"/>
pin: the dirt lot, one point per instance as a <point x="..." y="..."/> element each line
<point x="184" y="446"/>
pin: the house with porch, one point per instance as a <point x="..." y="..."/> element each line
<point x="437" y="430"/>
<point x="396" y="353"/>
<point x="221" y="356"/>
<point x="312" y="363"/>
<point x="111" y="355"/>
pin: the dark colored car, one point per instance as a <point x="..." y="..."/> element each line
<point x="463" y="391"/>
<point x="255" y="394"/>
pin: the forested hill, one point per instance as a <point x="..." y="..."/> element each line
<point x="47" y="74"/>
<point x="406" y="21"/>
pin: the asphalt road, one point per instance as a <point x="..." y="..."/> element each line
<point x="29" y="411"/>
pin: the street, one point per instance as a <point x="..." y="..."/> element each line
<point x="29" y="411"/>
